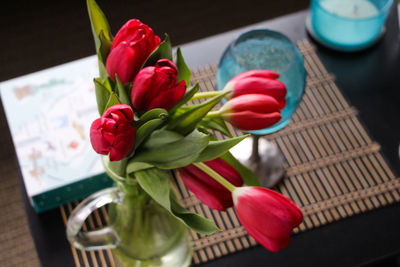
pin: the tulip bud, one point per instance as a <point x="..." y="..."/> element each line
<point x="157" y="87"/>
<point x="113" y="132"/>
<point x="257" y="82"/>
<point x="268" y="216"/>
<point x="130" y="48"/>
<point x="251" y="111"/>
<point x="206" y="189"/>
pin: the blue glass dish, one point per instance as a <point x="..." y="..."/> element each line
<point x="348" y="25"/>
<point x="266" y="49"/>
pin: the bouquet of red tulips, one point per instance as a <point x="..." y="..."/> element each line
<point x="147" y="127"/>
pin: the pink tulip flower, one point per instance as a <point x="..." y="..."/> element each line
<point x="268" y="216"/>
<point x="251" y="111"/>
<point x="113" y="132"/>
<point x="157" y="87"/>
<point x="258" y="82"/>
<point x="206" y="189"/>
<point x="130" y="48"/>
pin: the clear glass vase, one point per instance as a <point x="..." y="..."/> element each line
<point x="140" y="232"/>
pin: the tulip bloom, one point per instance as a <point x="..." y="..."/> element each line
<point x="251" y="111"/>
<point x="157" y="87"/>
<point x="130" y="48"/>
<point x="258" y="82"/>
<point x="113" y="132"/>
<point x="206" y="189"/>
<point x="267" y="216"/>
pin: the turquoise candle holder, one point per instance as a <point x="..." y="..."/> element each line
<point x="348" y="25"/>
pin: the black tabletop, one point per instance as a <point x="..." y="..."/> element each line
<point x="370" y="81"/>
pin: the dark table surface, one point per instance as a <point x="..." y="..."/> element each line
<point x="370" y="80"/>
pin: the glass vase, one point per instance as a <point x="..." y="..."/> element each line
<point x="268" y="50"/>
<point x="263" y="49"/>
<point x="140" y="232"/>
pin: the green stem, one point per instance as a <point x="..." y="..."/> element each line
<point x="207" y="94"/>
<point x="215" y="176"/>
<point x="213" y="114"/>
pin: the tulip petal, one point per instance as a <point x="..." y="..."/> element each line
<point x="99" y="144"/>
<point x="273" y="245"/>
<point x="225" y="170"/>
<point x="294" y="210"/>
<point x="169" y="98"/>
<point x="123" y="144"/>
<point x="213" y="198"/>
<point x="123" y="61"/>
<point x="250" y="121"/>
<point x="210" y="192"/>
<point x="265" y="210"/>
<point x="203" y="177"/>
<point x="254" y="102"/>
<point x="123" y="108"/>
<point x="126" y="31"/>
<point x="133" y="32"/>
<point x="140" y="86"/>
<point x="130" y="48"/>
<point x="256" y="73"/>
<point x="266" y="217"/>
<point x="264" y="86"/>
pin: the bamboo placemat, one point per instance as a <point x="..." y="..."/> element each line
<point x="333" y="169"/>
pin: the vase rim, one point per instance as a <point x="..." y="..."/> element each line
<point x="112" y="174"/>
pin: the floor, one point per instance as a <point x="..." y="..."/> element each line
<point x="39" y="34"/>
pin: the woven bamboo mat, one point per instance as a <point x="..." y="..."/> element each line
<point x="333" y="169"/>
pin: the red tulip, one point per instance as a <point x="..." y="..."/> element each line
<point x="157" y="87"/>
<point x="210" y="192"/>
<point x="252" y="111"/>
<point x="258" y="82"/>
<point x="113" y="132"/>
<point x="130" y="48"/>
<point x="268" y="216"/>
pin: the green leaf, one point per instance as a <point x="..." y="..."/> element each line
<point x="217" y="148"/>
<point x="118" y="167"/>
<point x="105" y="46"/>
<point x="102" y="95"/>
<point x="121" y="92"/>
<point x="164" y="50"/>
<point x="98" y="22"/>
<point x="196" y="222"/>
<point x="249" y="178"/>
<point x="153" y="114"/>
<point x="112" y="100"/>
<point x="188" y="95"/>
<point x="155" y="182"/>
<point x="184" y="71"/>
<point x="102" y="69"/>
<point x="216" y="124"/>
<point x="146" y="129"/>
<point x="176" y="154"/>
<point x="188" y="120"/>
<point x="162" y="137"/>
<point x="137" y="166"/>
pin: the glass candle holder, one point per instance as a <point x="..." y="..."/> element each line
<point x="266" y="49"/>
<point x="348" y="25"/>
